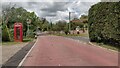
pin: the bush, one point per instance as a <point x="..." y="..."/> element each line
<point x="104" y="23"/>
<point x="31" y="34"/>
<point x="5" y="36"/>
<point x="12" y="34"/>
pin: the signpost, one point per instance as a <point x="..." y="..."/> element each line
<point x="28" y="23"/>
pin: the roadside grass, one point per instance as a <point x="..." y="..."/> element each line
<point x="10" y="43"/>
<point x="81" y="34"/>
<point x="25" y="40"/>
<point x="107" y="46"/>
<point x="28" y="39"/>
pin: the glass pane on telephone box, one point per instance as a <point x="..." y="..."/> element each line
<point x="17" y="33"/>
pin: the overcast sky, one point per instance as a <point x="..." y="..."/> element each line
<point x="55" y="10"/>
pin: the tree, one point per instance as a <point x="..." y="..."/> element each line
<point x="45" y="24"/>
<point x="60" y="25"/>
<point x="84" y="17"/>
<point x="12" y="15"/>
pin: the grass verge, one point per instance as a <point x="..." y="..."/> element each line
<point x="13" y="43"/>
<point x="107" y="46"/>
<point x="82" y="34"/>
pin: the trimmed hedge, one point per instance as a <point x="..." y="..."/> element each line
<point x="104" y="23"/>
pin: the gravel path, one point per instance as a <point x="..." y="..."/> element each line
<point x="9" y="50"/>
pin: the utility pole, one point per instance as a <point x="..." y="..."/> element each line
<point x="50" y="25"/>
<point x="69" y="21"/>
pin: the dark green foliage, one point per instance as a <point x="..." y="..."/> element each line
<point x="60" y="26"/>
<point x="104" y="22"/>
<point x="13" y="15"/>
<point x="75" y="24"/>
<point x="5" y="36"/>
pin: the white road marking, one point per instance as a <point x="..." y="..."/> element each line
<point x="59" y="65"/>
<point x="20" y="64"/>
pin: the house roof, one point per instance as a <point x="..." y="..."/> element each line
<point x="78" y="21"/>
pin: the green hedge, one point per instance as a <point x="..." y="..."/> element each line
<point x="104" y="22"/>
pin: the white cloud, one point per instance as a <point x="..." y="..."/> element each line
<point x="0" y="9"/>
<point x="55" y="9"/>
<point x="50" y="0"/>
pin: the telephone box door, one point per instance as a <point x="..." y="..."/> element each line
<point x="18" y="33"/>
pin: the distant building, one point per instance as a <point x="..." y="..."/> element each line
<point x="79" y="20"/>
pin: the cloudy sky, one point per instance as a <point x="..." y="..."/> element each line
<point x="54" y="10"/>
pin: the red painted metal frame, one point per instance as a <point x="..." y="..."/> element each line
<point x="20" y="26"/>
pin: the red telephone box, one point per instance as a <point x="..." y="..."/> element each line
<point x="18" y="32"/>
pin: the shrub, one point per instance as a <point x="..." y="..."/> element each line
<point x="104" y="22"/>
<point x="5" y="36"/>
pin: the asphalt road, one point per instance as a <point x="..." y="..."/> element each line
<point x="82" y="39"/>
<point x="62" y="51"/>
